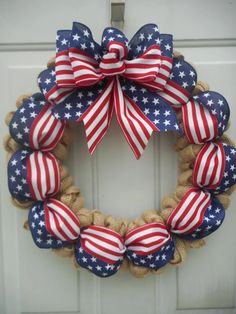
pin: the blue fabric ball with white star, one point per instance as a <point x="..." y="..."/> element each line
<point x="155" y="260"/>
<point x="213" y="219"/>
<point x="17" y="175"/>
<point x="229" y="176"/>
<point x="42" y="238"/>
<point x="34" y="126"/>
<point x="94" y="264"/>
<point x="216" y="104"/>
<point x="24" y="117"/>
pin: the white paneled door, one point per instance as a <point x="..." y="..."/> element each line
<point x="37" y="281"/>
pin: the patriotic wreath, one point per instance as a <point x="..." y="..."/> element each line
<point x="149" y="89"/>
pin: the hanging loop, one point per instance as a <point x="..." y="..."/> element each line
<point x="117" y="13"/>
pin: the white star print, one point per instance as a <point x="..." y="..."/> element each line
<point x="76" y="37"/>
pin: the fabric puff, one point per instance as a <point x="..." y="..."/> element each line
<point x="209" y="166"/>
<point x="229" y="175"/>
<point x="17" y="175"/>
<point x="100" y="250"/>
<point x="42" y="238"/>
<point x="33" y="175"/>
<point x="212" y="220"/>
<point x="33" y="124"/>
<point x="205" y="117"/>
<point x="53" y="225"/>
<point x="197" y="215"/>
<point x="149" y="246"/>
<point x="155" y="260"/>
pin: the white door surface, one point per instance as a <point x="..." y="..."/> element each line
<point x="37" y="281"/>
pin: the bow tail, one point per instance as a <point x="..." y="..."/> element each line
<point x="135" y="126"/>
<point x="97" y="118"/>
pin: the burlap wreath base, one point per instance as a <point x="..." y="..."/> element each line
<point x="70" y="194"/>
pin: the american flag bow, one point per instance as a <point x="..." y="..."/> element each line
<point x="100" y="250"/>
<point x="139" y="80"/>
<point x="205" y="117"/>
<point x="53" y="225"/>
<point x="33" y="175"/>
<point x="149" y="246"/>
<point x="33" y="125"/>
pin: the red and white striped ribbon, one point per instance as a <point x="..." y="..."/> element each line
<point x="86" y="70"/>
<point x="175" y="94"/>
<point x="57" y="94"/>
<point x="64" y="71"/>
<point x="46" y="130"/>
<point x="136" y="127"/>
<point x="112" y="63"/>
<point x="61" y="221"/>
<point x="103" y="243"/>
<point x="200" y="124"/>
<point x="97" y="117"/>
<point x="43" y="175"/>
<point x="146" y="67"/>
<point x="134" y="124"/>
<point x="209" y="166"/>
<point x="189" y="213"/>
<point x="147" y="239"/>
<point x="160" y="81"/>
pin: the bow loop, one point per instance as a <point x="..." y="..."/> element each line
<point x="145" y="37"/>
<point x="113" y="35"/>
<point x="100" y="250"/>
<point x="84" y="54"/>
<point x="82" y="39"/>
<point x="209" y="166"/>
<point x="149" y="246"/>
<point x="63" y="68"/>
<point x="33" y="175"/>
